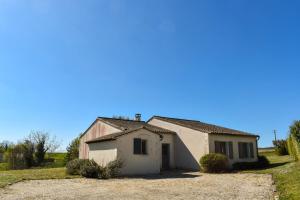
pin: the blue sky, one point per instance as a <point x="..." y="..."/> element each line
<point x="231" y="63"/>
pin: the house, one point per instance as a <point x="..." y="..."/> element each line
<point x="162" y="143"/>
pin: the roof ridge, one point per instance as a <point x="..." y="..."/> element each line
<point x="176" y="118"/>
<point x="131" y="120"/>
<point x="225" y="129"/>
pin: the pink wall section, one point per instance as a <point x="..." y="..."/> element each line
<point x="98" y="129"/>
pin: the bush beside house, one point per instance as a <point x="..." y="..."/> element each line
<point x="261" y="163"/>
<point x="214" y="163"/>
<point x="90" y="169"/>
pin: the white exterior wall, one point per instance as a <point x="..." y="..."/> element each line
<point x="103" y="152"/>
<point x="140" y="164"/>
<point x="235" y="140"/>
<point x="97" y="130"/>
<point x="190" y="145"/>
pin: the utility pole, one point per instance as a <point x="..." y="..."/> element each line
<point x="275" y="135"/>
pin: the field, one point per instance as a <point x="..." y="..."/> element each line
<point x="286" y="175"/>
<point x="59" y="160"/>
<point x="14" y="176"/>
<point x="51" y="170"/>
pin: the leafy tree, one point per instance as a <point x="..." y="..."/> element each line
<point x="14" y="157"/>
<point x="4" y="145"/>
<point x="43" y="143"/>
<point x="28" y="151"/>
<point x="281" y="147"/>
<point x="295" y="130"/>
<point x="73" y="150"/>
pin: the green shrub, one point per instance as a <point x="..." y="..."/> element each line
<point x="261" y="163"/>
<point x="293" y="140"/>
<point x="112" y="169"/>
<point x="295" y="130"/>
<point x="281" y="147"/>
<point x="214" y="163"/>
<point x="293" y="147"/>
<point x="73" y="167"/>
<point x="90" y="169"/>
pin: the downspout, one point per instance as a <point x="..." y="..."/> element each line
<point x="257" y="138"/>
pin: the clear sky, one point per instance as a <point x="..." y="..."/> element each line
<point x="65" y="62"/>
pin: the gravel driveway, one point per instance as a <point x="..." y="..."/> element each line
<point x="168" y="186"/>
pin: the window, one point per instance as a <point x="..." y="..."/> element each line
<point x="246" y="150"/>
<point x="139" y="146"/>
<point x="220" y="147"/>
<point x="225" y="148"/>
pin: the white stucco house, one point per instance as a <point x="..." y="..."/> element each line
<point x="162" y="143"/>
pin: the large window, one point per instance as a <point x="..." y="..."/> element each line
<point x="139" y="146"/>
<point x="246" y="150"/>
<point x="225" y="148"/>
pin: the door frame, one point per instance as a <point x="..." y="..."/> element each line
<point x="163" y="167"/>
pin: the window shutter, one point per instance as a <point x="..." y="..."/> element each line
<point x="251" y="150"/>
<point x="144" y="147"/>
<point x="230" y="149"/>
<point x="137" y="146"/>
<point x="246" y="150"/>
<point x="240" y="150"/>
<point x="217" y="147"/>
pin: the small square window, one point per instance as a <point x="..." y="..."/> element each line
<point x="139" y="146"/>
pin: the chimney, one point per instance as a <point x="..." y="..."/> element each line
<point x="138" y="117"/>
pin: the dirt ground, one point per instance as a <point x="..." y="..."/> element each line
<point x="168" y="186"/>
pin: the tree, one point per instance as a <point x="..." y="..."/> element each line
<point x="4" y="145"/>
<point x="73" y="150"/>
<point x="281" y="147"/>
<point x="15" y="157"/>
<point x="28" y="151"/>
<point x="295" y="130"/>
<point x="43" y="143"/>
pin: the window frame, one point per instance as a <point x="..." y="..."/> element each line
<point x="246" y="150"/>
<point x="139" y="146"/>
<point x="227" y="146"/>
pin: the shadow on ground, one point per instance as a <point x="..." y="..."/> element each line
<point x="273" y="165"/>
<point x="167" y="175"/>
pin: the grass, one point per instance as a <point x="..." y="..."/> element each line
<point x="59" y="160"/>
<point x="51" y="170"/>
<point x="3" y="166"/>
<point x="286" y="175"/>
<point x="14" y="176"/>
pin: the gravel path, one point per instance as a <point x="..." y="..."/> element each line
<point x="183" y="186"/>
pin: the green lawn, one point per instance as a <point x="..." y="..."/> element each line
<point x="59" y="160"/>
<point x="286" y="174"/>
<point x="3" y="166"/>
<point x="14" y="176"/>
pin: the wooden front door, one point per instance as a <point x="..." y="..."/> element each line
<point x="165" y="150"/>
